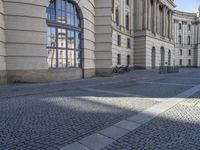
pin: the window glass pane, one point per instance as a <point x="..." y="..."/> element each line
<point x="60" y="11"/>
<point x="78" y="40"/>
<point x="71" y="58"/>
<point x="78" y="59"/>
<point x="70" y="38"/>
<point x="61" y="58"/>
<point x="64" y="39"/>
<point x="77" y="19"/>
<point x="51" y="12"/>
<point x="51" y="37"/>
<point x="61" y="38"/>
<point x="70" y="14"/>
<point x="51" y="58"/>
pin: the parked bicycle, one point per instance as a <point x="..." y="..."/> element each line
<point x="121" y="69"/>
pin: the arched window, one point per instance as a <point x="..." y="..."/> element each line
<point x="64" y="34"/>
<point x="127" y="22"/>
<point x="169" y="58"/>
<point x="153" y="58"/>
<point x="162" y="52"/>
<point x="117" y="16"/>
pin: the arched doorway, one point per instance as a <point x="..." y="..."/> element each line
<point x="169" y="58"/>
<point x="162" y="58"/>
<point x="64" y="34"/>
<point x="153" y="58"/>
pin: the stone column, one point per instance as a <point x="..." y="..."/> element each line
<point x="149" y="15"/>
<point x="145" y="15"/>
<point x="158" y="17"/>
<point x="154" y="16"/>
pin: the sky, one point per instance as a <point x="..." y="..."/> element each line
<point x="187" y="5"/>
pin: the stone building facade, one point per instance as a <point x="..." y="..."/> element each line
<point x="187" y="39"/>
<point x="53" y="40"/>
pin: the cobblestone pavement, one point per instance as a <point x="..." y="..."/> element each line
<point x="50" y="116"/>
<point x="53" y="120"/>
<point x="176" y="129"/>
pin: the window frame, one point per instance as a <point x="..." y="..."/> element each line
<point x="77" y="34"/>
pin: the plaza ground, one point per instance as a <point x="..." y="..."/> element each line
<point x="104" y="113"/>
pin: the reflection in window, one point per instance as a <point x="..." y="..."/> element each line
<point x="64" y="35"/>
<point x="70" y="38"/>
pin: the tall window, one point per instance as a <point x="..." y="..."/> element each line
<point x="189" y="27"/>
<point x="119" y="40"/>
<point x="64" y="34"/>
<point x="180" y="39"/>
<point x="181" y="52"/>
<point x="127" y="2"/>
<point x="189" y="62"/>
<point x="118" y="59"/>
<point x="117" y="16"/>
<point x="128" y="60"/>
<point x="189" y="40"/>
<point x="127" y="22"/>
<point x="128" y="43"/>
<point x="189" y="53"/>
<point x="180" y="26"/>
<point x="180" y="62"/>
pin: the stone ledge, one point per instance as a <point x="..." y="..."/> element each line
<point x="40" y="76"/>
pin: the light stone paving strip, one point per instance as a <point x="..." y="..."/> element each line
<point x="109" y="92"/>
<point x="163" y="83"/>
<point x="103" y="138"/>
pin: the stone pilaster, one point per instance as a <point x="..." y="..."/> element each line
<point x="170" y="24"/>
<point x="149" y="15"/>
<point x="158" y="17"/>
<point x="145" y="15"/>
<point x="167" y="22"/>
<point x="164" y="21"/>
<point x="154" y="16"/>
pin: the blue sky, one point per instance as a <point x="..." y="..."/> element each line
<point x="187" y="5"/>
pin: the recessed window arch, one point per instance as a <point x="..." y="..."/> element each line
<point x="117" y="16"/>
<point x="64" y="34"/>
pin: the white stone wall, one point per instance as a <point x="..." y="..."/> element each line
<point x="124" y="9"/>
<point x="158" y="44"/>
<point x="25" y="24"/>
<point x="25" y="39"/>
<point x="103" y="36"/>
<point x="88" y="11"/>
<point x="2" y="38"/>
<point x="185" y="56"/>
<point x="123" y="50"/>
